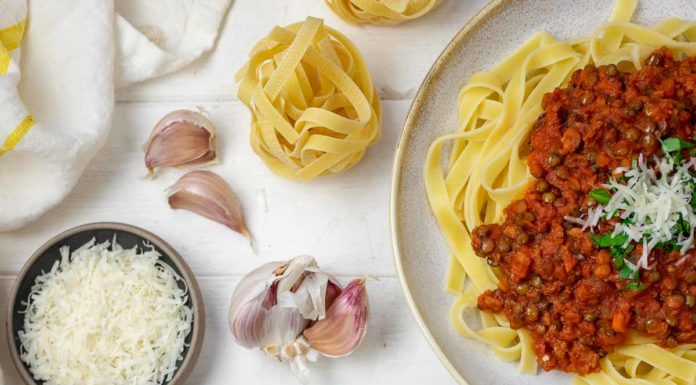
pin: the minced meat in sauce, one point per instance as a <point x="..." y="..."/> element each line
<point x="554" y="281"/>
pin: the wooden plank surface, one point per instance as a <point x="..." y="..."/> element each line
<point x="398" y="56"/>
<point x="341" y="220"/>
<point x="394" y="351"/>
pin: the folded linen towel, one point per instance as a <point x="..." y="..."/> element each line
<point x="71" y="55"/>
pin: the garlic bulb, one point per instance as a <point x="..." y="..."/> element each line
<point x="181" y="138"/>
<point x="273" y="304"/>
<point x="293" y="312"/>
<point x="206" y="194"/>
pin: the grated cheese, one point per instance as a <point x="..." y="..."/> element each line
<point x="651" y="202"/>
<point x="105" y="316"/>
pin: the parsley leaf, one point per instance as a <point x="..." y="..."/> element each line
<point x="607" y="240"/>
<point x="600" y="195"/>
<point x="619" y="252"/>
<point x="670" y="245"/>
<point x="678" y="158"/>
<point x="635" y="285"/>
<point x="683" y="226"/>
<point x="675" y="144"/>
<point x="627" y="273"/>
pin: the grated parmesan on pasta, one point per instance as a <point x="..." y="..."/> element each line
<point x="650" y="202"/>
<point x="105" y="315"/>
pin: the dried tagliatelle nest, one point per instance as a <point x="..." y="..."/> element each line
<point x="314" y="108"/>
<point x="382" y="12"/>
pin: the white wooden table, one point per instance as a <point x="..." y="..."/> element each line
<point x="342" y="220"/>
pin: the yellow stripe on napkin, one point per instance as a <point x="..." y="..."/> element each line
<point x="5" y="59"/>
<point x="11" y="36"/>
<point x="17" y="134"/>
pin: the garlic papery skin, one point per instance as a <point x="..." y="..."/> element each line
<point x="270" y="305"/>
<point x="252" y="321"/>
<point x="345" y="325"/>
<point x="207" y="194"/>
<point x="181" y="138"/>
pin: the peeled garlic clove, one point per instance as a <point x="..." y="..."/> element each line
<point x="345" y="324"/>
<point x="206" y="194"/>
<point x="181" y="138"/>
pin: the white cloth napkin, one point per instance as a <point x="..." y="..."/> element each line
<point x="73" y="55"/>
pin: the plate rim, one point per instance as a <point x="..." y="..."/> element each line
<point x="424" y="92"/>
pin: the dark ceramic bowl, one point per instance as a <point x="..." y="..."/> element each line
<point x="127" y="236"/>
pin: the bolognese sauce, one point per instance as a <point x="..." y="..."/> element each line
<point x="555" y="280"/>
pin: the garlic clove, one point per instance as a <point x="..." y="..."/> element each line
<point x="207" y="194"/>
<point x="246" y="321"/>
<point x="181" y="138"/>
<point x="345" y="325"/>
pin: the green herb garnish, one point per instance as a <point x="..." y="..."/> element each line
<point x="670" y="245"/>
<point x="635" y="285"/>
<point x="673" y="144"/>
<point x="683" y="226"/>
<point x="606" y="240"/>
<point x="627" y="273"/>
<point x="600" y="195"/>
<point x="620" y="253"/>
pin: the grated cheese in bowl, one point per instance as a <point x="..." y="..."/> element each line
<point x="106" y="315"/>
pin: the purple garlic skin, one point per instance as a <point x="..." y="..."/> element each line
<point x="345" y="324"/>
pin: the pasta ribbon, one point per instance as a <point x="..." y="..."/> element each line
<point x="314" y="108"/>
<point x="486" y="169"/>
<point x="381" y="12"/>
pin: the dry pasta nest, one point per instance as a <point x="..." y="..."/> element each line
<point x="382" y="12"/>
<point x="314" y="108"/>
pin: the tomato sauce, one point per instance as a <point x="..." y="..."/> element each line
<point x="554" y="281"/>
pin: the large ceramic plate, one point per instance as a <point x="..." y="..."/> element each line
<point x="420" y="251"/>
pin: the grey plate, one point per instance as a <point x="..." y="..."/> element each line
<point x="420" y="252"/>
<point x="127" y="236"/>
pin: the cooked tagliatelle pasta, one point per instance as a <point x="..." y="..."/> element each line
<point x="381" y="12"/>
<point x="314" y="108"/>
<point x="486" y="169"/>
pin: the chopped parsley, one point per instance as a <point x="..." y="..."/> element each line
<point x="635" y="285"/>
<point x="675" y="144"/>
<point x="600" y="195"/>
<point x="655" y="203"/>
<point x="607" y="240"/>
